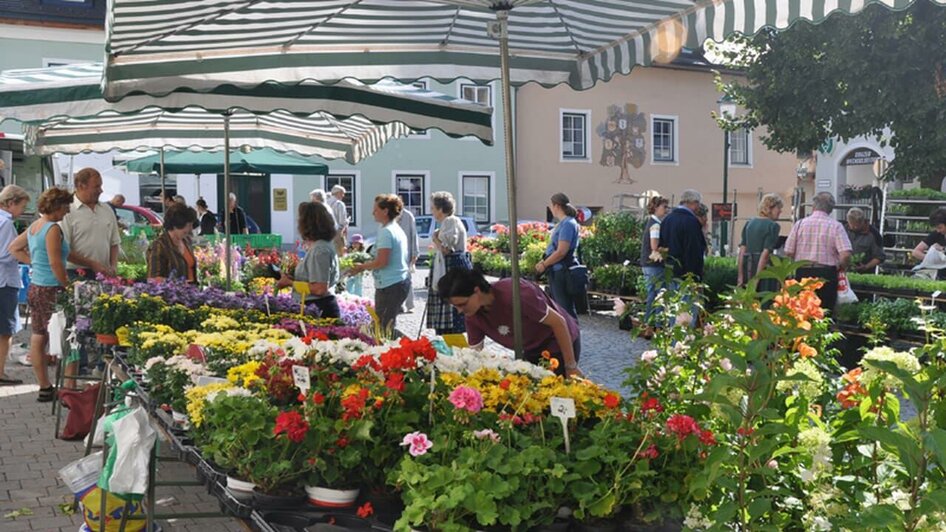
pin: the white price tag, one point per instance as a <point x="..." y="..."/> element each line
<point x="302" y="327"/>
<point x="300" y="376"/>
<point x="266" y="299"/>
<point x="936" y="294"/>
<point x="564" y="409"/>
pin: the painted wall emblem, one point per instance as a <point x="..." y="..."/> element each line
<point x="623" y="142"/>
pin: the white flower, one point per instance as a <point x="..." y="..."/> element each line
<point x="486" y="434"/>
<point x="683" y="319"/>
<point x="821" y="523"/>
<point x="503" y="330"/>
<point x="725" y="364"/>
<point x="648" y="356"/>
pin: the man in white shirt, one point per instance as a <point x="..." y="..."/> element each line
<point x="336" y="205"/>
<point x="91" y="229"/>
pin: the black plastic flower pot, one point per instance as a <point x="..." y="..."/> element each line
<point x="264" y="501"/>
<point x="289" y="521"/>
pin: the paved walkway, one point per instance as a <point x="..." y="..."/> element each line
<point x="30" y="457"/>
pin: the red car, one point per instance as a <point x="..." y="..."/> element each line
<point x="129" y="215"/>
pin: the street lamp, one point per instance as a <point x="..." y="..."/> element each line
<point x="727" y="114"/>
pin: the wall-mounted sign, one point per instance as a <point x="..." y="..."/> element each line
<point x="859" y="157"/>
<point x="827" y="147"/>
<point x="723" y="211"/>
<point x="280" y="199"/>
<point x="824" y="183"/>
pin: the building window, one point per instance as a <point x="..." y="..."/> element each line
<point x="664" y="131"/>
<point x="475" y="196"/>
<point x="410" y="187"/>
<point x="419" y="133"/>
<point x="740" y="147"/>
<point x="481" y="94"/>
<point x="350" y="183"/>
<point x="574" y="135"/>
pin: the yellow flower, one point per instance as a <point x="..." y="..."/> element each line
<point x="196" y="399"/>
<point x="244" y="375"/>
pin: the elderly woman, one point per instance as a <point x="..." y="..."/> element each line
<point x="170" y="255"/>
<point x="560" y="254"/>
<point x="43" y="247"/>
<point x="392" y="279"/>
<point x="13" y="200"/>
<point x="449" y="242"/>
<point x="759" y="238"/>
<point x="319" y="267"/>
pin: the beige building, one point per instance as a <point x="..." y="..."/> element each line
<point x="651" y="130"/>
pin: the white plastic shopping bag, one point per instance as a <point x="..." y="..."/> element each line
<point x="134" y="439"/>
<point x="56" y="328"/>
<point x="846" y="296"/>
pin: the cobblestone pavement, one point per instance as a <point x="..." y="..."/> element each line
<point x="30" y="457"/>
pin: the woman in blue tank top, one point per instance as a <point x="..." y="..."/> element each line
<point x="44" y="248"/>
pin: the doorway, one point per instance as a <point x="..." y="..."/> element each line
<point x="253" y="195"/>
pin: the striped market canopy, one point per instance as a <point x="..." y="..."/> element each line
<point x="37" y="95"/>
<point x="163" y="45"/>
<point x="320" y="134"/>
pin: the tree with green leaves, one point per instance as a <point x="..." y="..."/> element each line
<point x="851" y="76"/>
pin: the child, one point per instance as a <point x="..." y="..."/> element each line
<point x="353" y="284"/>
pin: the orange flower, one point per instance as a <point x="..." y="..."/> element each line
<point x="853" y="376"/>
<point x="553" y="364"/>
<point x="546" y="355"/>
<point x="806" y="351"/>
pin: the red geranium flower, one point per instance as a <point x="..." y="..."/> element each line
<point x="395" y="381"/>
<point x="318" y="398"/>
<point x="651" y="404"/>
<point x="707" y="437"/>
<point x="354" y="404"/>
<point x="365" y="510"/>
<point x="650" y="453"/>
<point x="293" y="424"/>
<point x="612" y="400"/>
<point x="682" y="426"/>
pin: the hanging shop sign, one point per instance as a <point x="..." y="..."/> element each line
<point x="864" y="156"/>
<point x="724" y="211"/>
<point x="280" y="199"/>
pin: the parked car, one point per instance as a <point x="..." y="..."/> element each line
<point x="131" y="215"/>
<point x="426" y="225"/>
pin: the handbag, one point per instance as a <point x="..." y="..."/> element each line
<point x="576" y="282"/>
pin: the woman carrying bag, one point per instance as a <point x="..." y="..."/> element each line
<point x="566" y="276"/>
<point x="449" y="242"/>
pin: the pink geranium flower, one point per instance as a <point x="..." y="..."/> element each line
<point x="486" y="434"/>
<point x="466" y="398"/>
<point x="417" y="443"/>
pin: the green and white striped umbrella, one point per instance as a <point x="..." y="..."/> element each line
<point x="161" y="45"/>
<point x="320" y="134"/>
<point x="38" y="95"/>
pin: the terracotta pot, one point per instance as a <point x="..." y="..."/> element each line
<point x="331" y="498"/>
<point x="106" y="339"/>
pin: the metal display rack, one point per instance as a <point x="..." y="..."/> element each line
<point x="232" y="504"/>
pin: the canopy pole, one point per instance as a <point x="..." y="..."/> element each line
<point x="502" y="16"/>
<point x="164" y="193"/>
<point x="226" y="195"/>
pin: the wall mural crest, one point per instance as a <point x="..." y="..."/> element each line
<point x="623" y="142"/>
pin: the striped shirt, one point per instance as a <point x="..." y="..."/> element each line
<point x="818" y="238"/>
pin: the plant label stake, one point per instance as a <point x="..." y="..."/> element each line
<point x="433" y="384"/>
<point x="302" y="288"/>
<point x="266" y="300"/>
<point x="300" y="376"/>
<point x="564" y="409"/>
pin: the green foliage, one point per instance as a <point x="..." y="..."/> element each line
<point x="482" y="485"/>
<point x="719" y="275"/>
<point x="617" y="237"/>
<point x="616" y="278"/>
<point x="896" y="282"/>
<point x="873" y="74"/>
<point x="132" y="272"/>
<point x="917" y="193"/>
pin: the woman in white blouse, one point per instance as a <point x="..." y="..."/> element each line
<point x="449" y="242"/>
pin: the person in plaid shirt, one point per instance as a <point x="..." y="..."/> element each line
<point x="823" y="241"/>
